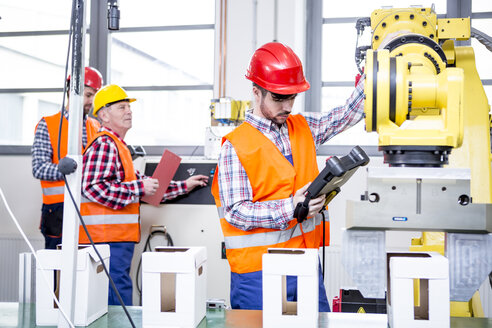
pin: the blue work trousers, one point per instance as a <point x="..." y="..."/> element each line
<point x="247" y="291"/>
<point x="120" y="262"/>
<point x="51" y="224"/>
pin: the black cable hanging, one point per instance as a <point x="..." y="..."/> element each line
<point x="154" y="230"/>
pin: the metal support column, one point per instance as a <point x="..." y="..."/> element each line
<point x="314" y="25"/>
<point x="99" y="42"/>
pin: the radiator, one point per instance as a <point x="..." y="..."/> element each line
<point x="335" y="275"/>
<point x="11" y="247"/>
<point x="336" y="278"/>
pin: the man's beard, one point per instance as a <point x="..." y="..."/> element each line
<point x="87" y="109"/>
<point x="274" y="119"/>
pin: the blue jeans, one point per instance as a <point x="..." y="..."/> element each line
<point x="247" y="292"/>
<point x="120" y="261"/>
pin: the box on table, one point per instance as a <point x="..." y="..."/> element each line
<point x="432" y="271"/>
<point x="174" y="282"/>
<point x="91" y="291"/>
<point x="279" y="263"/>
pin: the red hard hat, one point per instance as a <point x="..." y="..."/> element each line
<point x="93" y="78"/>
<point x="276" y="68"/>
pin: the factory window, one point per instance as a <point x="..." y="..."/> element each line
<point x="482" y="54"/>
<point x="35" y="15"/>
<point x="163" y="55"/>
<point x="33" y="48"/>
<point x="34" y="61"/>
<point x="169" y="117"/>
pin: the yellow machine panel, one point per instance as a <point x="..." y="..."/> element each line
<point x="384" y="22"/>
<point x="453" y="28"/>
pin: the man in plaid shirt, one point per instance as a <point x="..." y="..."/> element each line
<point x="111" y="188"/>
<point x="45" y="158"/>
<point x="252" y="219"/>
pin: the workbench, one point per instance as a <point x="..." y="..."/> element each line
<point x="23" y="315"/>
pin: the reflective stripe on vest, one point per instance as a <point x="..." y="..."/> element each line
<point x="53" y="191"/>
<point x="118" y="218"/>
<point x="272" y="237"/>
<point x="221" y="212"/>
<point x="50" y="191"/>
<point x="110" y="219"/>
<point x="272" y="177"/>
<point x="106" y="224"/>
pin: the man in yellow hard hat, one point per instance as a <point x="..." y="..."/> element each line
<point x="111" y="188"/>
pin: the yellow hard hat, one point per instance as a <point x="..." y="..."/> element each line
<point x="109" y="95"/>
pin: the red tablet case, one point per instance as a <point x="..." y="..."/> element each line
<point x="164" y="172"/>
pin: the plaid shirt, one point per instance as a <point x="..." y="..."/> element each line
<point x="236" y="193"/>
<point x="103" y="175"/>
<point x="42" y="150"/>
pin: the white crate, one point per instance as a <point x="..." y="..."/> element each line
<point x="91" y="291"/>
<point x="279" y="263"/>
<point x="174" y="282"/>
<point x="403" y="269"/>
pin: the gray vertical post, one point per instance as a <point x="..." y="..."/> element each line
<point x="275" y="21"/>
<point x="27" y="269"/>
<point x="99" y="42"/>
<point x="70" y="232"/>
<point x="458" y="9"/>
<point x="312" y="67"/>
<point x="255" y="26"/>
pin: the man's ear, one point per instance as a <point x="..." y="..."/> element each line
<point x="257" y="94"/>
<point x="256" y="91"/>
<point x="102" y="114"/>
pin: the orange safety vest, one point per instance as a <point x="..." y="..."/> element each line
<point x="105" y="224"/>
<point x="53" y="191"/>
<point x="271" y="177"/>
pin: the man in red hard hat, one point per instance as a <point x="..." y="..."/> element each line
<point x="45" y="157"/>
<point x="266" y="165"/>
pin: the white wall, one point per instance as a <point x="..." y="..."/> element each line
<point x="242" y="40"/>
<point x="23" y="193"/>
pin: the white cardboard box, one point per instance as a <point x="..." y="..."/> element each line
<point x="277" y="311"/>
<point x="174" y="283"/>
<point x="433" y="271"/>
<point x="91" y="291"/>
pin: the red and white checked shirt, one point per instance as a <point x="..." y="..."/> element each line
<point x="103" y="175"/>
<point x="235" y="189"/>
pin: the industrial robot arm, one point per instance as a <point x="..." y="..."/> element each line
<point x="414" y="91"/>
